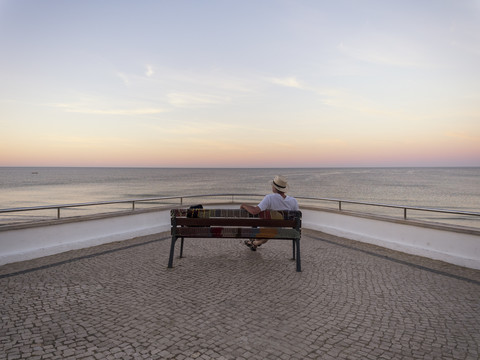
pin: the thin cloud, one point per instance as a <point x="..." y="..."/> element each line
<point x="124" y="78"/>
<point x="213" y="79"/>
<point x="192" y="99"/>
<point x="463" y="136"/>
<point x="87" y="141"/>
<point x="85" y="110"/>
<point x="149" y="71"/>
<point x="288" y="82"/>
<point x="383" y="50"/>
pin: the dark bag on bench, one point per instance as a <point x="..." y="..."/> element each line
<point x="193" y="211"/>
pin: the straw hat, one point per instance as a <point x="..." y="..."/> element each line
<point x="280" y="183"/>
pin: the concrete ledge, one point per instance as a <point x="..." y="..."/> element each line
<point x="455" y="245"/>
<point x="28" y="241"/>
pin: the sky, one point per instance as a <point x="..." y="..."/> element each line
<point x="240" y="83"/>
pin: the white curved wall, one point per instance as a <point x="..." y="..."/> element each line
<point x="30" y="242"/>
<point x="460" y="248"/>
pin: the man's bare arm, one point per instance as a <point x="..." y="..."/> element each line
<point x="254" y="210"/>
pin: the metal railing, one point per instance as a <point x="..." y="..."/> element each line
<point x="402" y="207"/>
<point x="132" y="202"/>
<point x="235" y="198"/>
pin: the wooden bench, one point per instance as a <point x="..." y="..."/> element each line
<point x="235" y="223"/>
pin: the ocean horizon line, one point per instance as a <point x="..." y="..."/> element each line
<point x="242" y="167"/>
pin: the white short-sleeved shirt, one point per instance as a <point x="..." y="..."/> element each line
<point x="277" y="202"/>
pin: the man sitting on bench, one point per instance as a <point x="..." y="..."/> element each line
<point x="276" y="201"/>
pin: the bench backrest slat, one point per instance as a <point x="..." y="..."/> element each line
<point x="235" y="222"/>
<point x="234" y="213"/>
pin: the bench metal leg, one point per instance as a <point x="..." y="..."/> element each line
<point x="181" y="248"/>
<point x="299" y="265"/>
<point x="172" y="250"/>
<point x="293" y="246"/>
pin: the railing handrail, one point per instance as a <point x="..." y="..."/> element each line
<point x="111" y="202"/>
<point x="233" y="195"/>
<point x="419" y="208"/>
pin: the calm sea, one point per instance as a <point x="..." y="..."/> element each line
<point x="447" y="188"/>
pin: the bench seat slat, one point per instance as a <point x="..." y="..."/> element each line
<point x="237" y="232"/>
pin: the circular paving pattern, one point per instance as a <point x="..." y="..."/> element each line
<point x="223" y="301"/>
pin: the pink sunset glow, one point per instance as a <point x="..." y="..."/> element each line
<point x="397" y="85"/>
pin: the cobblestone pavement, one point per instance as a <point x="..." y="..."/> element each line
<point x="223" y="301"/>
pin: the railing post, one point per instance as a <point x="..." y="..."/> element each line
<point x="340" y="206"/>
<point x="133" y="205"/>
<point x="405" y="213"/>
<point x="58" y="213"/>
